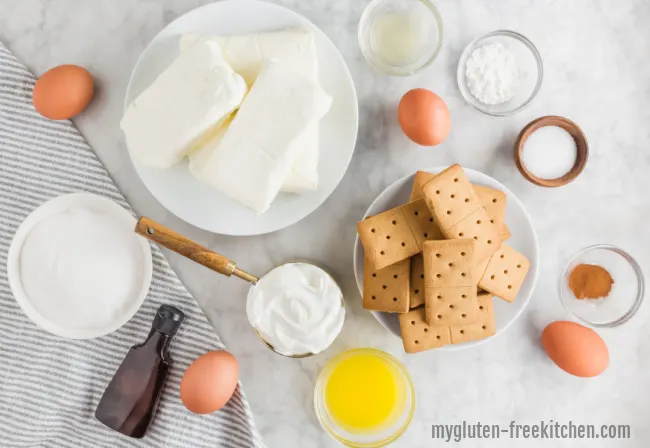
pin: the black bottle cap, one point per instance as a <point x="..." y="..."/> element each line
<point x="168" y="320"/>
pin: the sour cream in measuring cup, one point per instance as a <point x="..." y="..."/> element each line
<point x="297" y="308"/>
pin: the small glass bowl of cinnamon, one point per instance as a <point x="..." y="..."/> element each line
<point x="602" y="286"/>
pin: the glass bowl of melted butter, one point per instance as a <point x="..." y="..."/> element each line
<point x="364" y="398"/>
<point x="400" y="37"/>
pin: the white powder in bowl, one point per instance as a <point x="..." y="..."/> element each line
<point x="492" y="74"/>
<point x="81" y="268"/>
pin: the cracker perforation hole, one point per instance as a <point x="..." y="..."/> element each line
<point x="505" y="272"/>
<point x="455" y="179"/>
<point x="502" y="256"/>
<point x="439" y="316"/>
<point x="509" y="286"/>
<point x="462" y="254"/>
<point x="518" y="266"/>
<point x="417" y="291"/>
<point x="374" y="297"/>
<point x="449" y="212"/>
<point x="426" y="330"/>
<point x="416" y="341"/>
<point x="491" y="277"/>
<point x="494" y="200"/>
<point x="466" y="199"/>
<point x="412" y="322"/>
<point x="394" y="299"/>
<point x="462" y="331"/>
<point x="430" y="219"/>
<point x="372" y="230"/>
<point x="421" y="275"/>
<point x="480" y="307"/>
<point x="438" y="275"/>
<point x="461" y="234"/>
<point x="451" y="307"/>
<point x="484" y="327"/>
<point x="382" y="252"/>
<point x="395" y="276"/>
<point x="453" y="196"/>
<point x="387" y="237"/>
<point x="384" y="286"/>
<point x="478" y="221"/>
<point x="394" y="222"/>
<point x="438" y="255"/>
<point x="438" y="337"/>
<point x="437" y="191"/>
<point x="426" y="235"/>
<point x="464" y="296"/>
<point x="476" y="238"/>
<point x="489" y="241"/>
<point x="439" y="297"/>
<point x="463" y="315"/>
<point x="462" y="274"/>
<point x="451" y="265"/>
<point x="374" y="275"/>
<point x="417" y="213"/>
<point x="491" y="221"/>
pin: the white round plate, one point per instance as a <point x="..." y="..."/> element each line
<point x="58" y="205"/>
<point x="203" y="206"/>
<point x="523" y="239"/>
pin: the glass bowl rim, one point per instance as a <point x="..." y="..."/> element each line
<point x="460" y="73"/>
<point x="640" y="286"/>
<point x="319" y="388"/>
<point x="386" y="68"/>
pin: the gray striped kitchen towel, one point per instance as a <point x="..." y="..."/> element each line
<point x="50" y="387"/>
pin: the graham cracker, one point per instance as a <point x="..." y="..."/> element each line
<point x="417" y="281"/>
<point x="451" y="306"/>
<point x="450" y="197"/>
<point x="505" y="273"/>
<point x="484" y="327"/>
<point x="387" y="238"/>
<point x="450" y="263"/>
<point x="417" y="336"/>
<point x="477" y="225"/>
<point x="505" y="233"/>
<point x="387" y="289"/>
<point x="494" y="201"/>
<point x="421" y="222"/>
<point x="420" y="179"/>
<point x="450" y="278"/>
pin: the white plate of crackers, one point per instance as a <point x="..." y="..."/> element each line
<point x="446" y="258"/>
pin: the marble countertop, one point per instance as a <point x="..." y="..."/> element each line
<point x="596" y="73"/>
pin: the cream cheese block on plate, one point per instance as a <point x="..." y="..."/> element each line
<point x="183" y="107"/>
<point x="246" y="55"/>
<point x="249" y="160"/>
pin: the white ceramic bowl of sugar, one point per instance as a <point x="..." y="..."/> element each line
<point x="529" y="64"/>
<point x="76" y="267"/>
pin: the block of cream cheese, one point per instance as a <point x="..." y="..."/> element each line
<point x="294" y="46"/>
<point x="183" y="106"/>
<point x="250" y="161"/>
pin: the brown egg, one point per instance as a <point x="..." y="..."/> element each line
<point x="424" y="117"/>
<point x="209" y="382"/>
<point x="576" y="349"/>
<point x="62" y="92"/>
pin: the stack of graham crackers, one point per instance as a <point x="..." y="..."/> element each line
<point x="439" y="260"/>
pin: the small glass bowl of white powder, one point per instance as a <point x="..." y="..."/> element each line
<point x="500" y="73"/>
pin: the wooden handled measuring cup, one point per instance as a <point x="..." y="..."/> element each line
<point x="176" y="242"/>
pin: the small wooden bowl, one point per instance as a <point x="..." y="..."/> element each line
<point x="571" y="128"/>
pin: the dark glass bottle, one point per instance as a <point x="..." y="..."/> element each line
<point x="131" y="398"/>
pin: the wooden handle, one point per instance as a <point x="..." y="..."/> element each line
<point x="178" y="243"/>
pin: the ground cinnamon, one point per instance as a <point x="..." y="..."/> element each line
<point x="589" y="281"/>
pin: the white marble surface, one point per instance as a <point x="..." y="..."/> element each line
<point x="597" y="72"/>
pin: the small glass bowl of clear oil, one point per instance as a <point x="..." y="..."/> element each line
<point x="364" y="398"/>
<point x="400" y="37"/>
